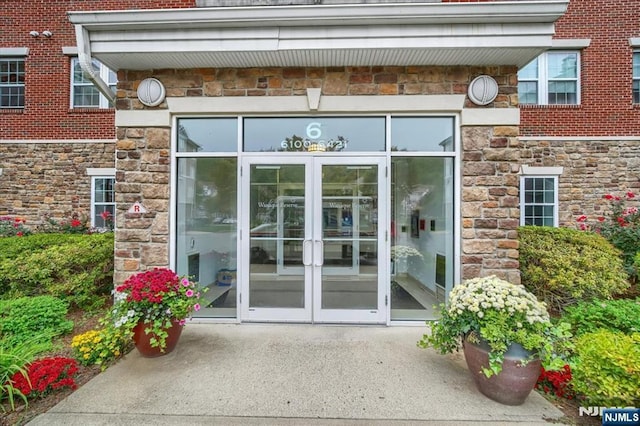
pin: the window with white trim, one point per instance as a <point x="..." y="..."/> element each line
<point x="103" y="205"/>
<point x="83" y="93"/>
<point x="539" y="196"/>
<point x="636" y="77"/>
<point x="12" y="83"/>
<point x="553" y="78"/>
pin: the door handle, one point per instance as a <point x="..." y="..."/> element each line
<point x="318" y="249"/>
<point x="307" y="253"/>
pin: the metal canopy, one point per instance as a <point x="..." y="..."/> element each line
<point x="487" y="33"/>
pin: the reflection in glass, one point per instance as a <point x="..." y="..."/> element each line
<point x="422" y="134"/>
<point x="277" y="208"/>
<point x="207" y="230"/>
<point x="421" y="235"/>
<point x="208" y="135"/>
<point x="350" y="235"/>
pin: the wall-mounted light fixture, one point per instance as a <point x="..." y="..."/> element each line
<point x="47" y="33"/>
<point x="34" y="33"/>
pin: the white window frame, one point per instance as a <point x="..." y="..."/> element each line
<point x="542" y="80"/>
<point x="528" y="172"/>
<point x="16" y="54"/>
<point x="102" y="173"/>
<point x="105" y="74"/>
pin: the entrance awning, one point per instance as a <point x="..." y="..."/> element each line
<point x="385" y="34"/>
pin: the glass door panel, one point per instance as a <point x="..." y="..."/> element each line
<point x="349" y="281"/>
<point x="277" y="222"/>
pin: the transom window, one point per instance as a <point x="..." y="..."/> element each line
<point x="636" y="77"/>
<point x="83" y="93"/>
<point x="12" y="83"/>
<point x="553" y="78"/>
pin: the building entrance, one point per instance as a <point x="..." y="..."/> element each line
<point x="315" y="243"/>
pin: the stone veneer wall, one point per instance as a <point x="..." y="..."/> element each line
<point x="49" y="178"/>
<point x="592" y="168"/>
<point x="489" y="163"/>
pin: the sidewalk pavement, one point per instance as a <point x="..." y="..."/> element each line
<point x="276" y="374"/>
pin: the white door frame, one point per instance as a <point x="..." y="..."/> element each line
<point x="313" y="243"/>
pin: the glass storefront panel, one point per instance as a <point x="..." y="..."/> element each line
<point x="420" y="266"/>
<point x="208" y="135"/>
<point x="314" y="134"/>
<point x="206" y="231"/>
<point x="421" y="235"/>
<point x="434" y="134"/>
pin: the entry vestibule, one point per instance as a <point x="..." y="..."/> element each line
<point x="317" y="219"/>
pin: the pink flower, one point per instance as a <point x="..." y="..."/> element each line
<point x="182" y="321"/>
<point x="196" y="307"/>
<point x="189" y="293"/>
<point x="583" y="227"/>
<point x="582" y="218"/>
<point x="186" y="283"/>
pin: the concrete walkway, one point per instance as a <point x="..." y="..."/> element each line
<point x="255" y="374"/>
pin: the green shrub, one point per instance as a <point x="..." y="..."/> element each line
<point x="15" y="248"/>
<point x="22" y="318"/>
<point x="614" y="315"/>
<point x="608" y="368"/>
<point x="621" y="227"/>
<point x="562" y="266"/>
<point x="77" y="268"/>
<point x="13" y="359"/>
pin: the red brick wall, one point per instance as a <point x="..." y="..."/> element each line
<point x="606" y="108"/>
<point x="47" y="71"/>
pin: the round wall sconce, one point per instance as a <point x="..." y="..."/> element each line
<point x="151" y="92"/>
<point x="483" y="90"/>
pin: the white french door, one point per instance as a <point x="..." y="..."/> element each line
<point x="313" y="239"/>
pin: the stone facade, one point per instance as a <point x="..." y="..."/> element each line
<point x="490" y="158"/>
<point x="592" y="168"/>
<point x="51" y="179"/>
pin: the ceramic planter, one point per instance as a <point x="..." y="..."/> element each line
<point x="142" y="340"/>
<point x="516" y="380"/>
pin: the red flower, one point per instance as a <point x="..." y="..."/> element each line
<point x="601" y="219"/>
<point x="581" y="218"/>
<point x="46" y="375"/>
<point x="608" y="197"/>
<point x="19" y="234"/>
<point x="630" y="194"/>
<point x="75" y="223"/>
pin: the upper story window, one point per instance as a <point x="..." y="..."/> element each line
<point x="11" y="82"/>
<point x="553" y="78"/>
<point x="636" y="77"/>
<point x="83" y="93"/>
